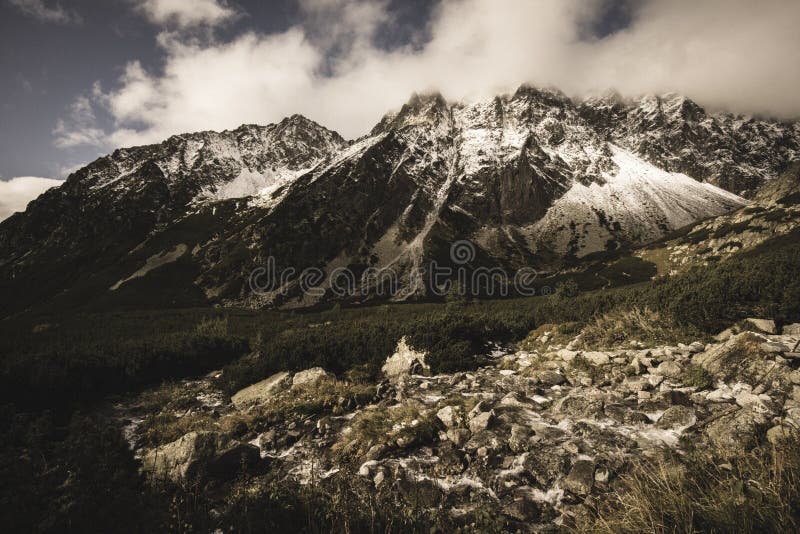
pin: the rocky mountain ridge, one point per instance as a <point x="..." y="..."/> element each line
<point x="530" y="179"/>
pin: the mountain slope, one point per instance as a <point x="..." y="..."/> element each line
<point x="532" y="179"/>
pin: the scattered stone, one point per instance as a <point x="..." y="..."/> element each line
<point x="260" y="391"/>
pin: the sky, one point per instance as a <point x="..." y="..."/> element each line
<point x="82" y="77"/>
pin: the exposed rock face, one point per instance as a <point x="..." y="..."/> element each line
<point x="530" y="179"/>
<point x="261" y="391"/>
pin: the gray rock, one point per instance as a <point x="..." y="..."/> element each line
<point x="450" y="416"/>
<point x="459" y="436"/>
<point x="764" y="325"/>
<point x="482" y="421"/>
<point x="260" y="391"/>
<point x="736" y="433"/>
<point x="177" y="460"/>
<point x="405" y="361"/>
<point x="669" y="369"/>
<point x="596" y="358"/>
<point x="580" y="404"/>
<point x="696" y="347"/>
<point x="198" y="452"/>
<point x="309" y="377"/>
<point x="725" y="335"/>
<point x="520" y="439"/>
<point x="781" y="435"/>
<point x="791" y="329"/>
<point x="773" y="347"/>
<point x="581" y="478"/>
<point x="550" y="378"/>
<point x="677" y="417"/>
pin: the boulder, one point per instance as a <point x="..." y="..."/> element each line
<point x="459" y="436"/>
<point x="781" y="436"/>
<point x="696" y="347"/>
<point x="550" y="378"/>
<point x="581" y="478"/>
<point x="260" y="391"/>
<point x="309" y="377"/>
<point x="792" y="329"/>
<point x="736" y="433"/>
<point x="596" y="358"/>
<point x="520" y="439"/>
<point x="677" y="417"/>
<point x="450" y="416"/>
<point x="567" y="355"/>
<point x="481" y="422"/>
<point x="199" y="453"/>
<point x="773" y="347"/>
<point x="177" y="461"/>
<point x="578" y="403"/>
<point x="725" y="335"/>
<point x="405" y="361"/>
<point x="668" y="369"/>
<point x="764" y="325"/>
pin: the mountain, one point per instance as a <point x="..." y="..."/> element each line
<point x="533" y="179"/>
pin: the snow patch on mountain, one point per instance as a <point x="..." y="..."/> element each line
<point x="637" y="204"/>
<point x="249" y="183"/>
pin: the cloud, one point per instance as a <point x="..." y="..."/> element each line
<point x="726" y="54"/>
<point x="17" y="192"/>
<point x="40" y="10"/>
<point x="80" y="127"/>
<point x="184" y="15"/>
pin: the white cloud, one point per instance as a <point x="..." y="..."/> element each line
<point x="732" y="54"/>
<point x="47" y="11"/>
<point x="17" y="192"/>
<point x="186" y="14"/>
<point x="79" y="128"/>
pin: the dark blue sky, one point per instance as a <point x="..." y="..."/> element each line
<point x="47" y="64"/>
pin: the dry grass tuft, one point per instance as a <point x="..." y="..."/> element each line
<point x="758" y="492"/>
<point x="644" y="325"/>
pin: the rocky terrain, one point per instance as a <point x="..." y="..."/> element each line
<point x="531" y="179"/>
<point x="543" y="433"/>
<point x="774" y="212"/>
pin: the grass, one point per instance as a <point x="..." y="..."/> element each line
<point x="643" y="325"/>
<point x="758" y="492"/>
